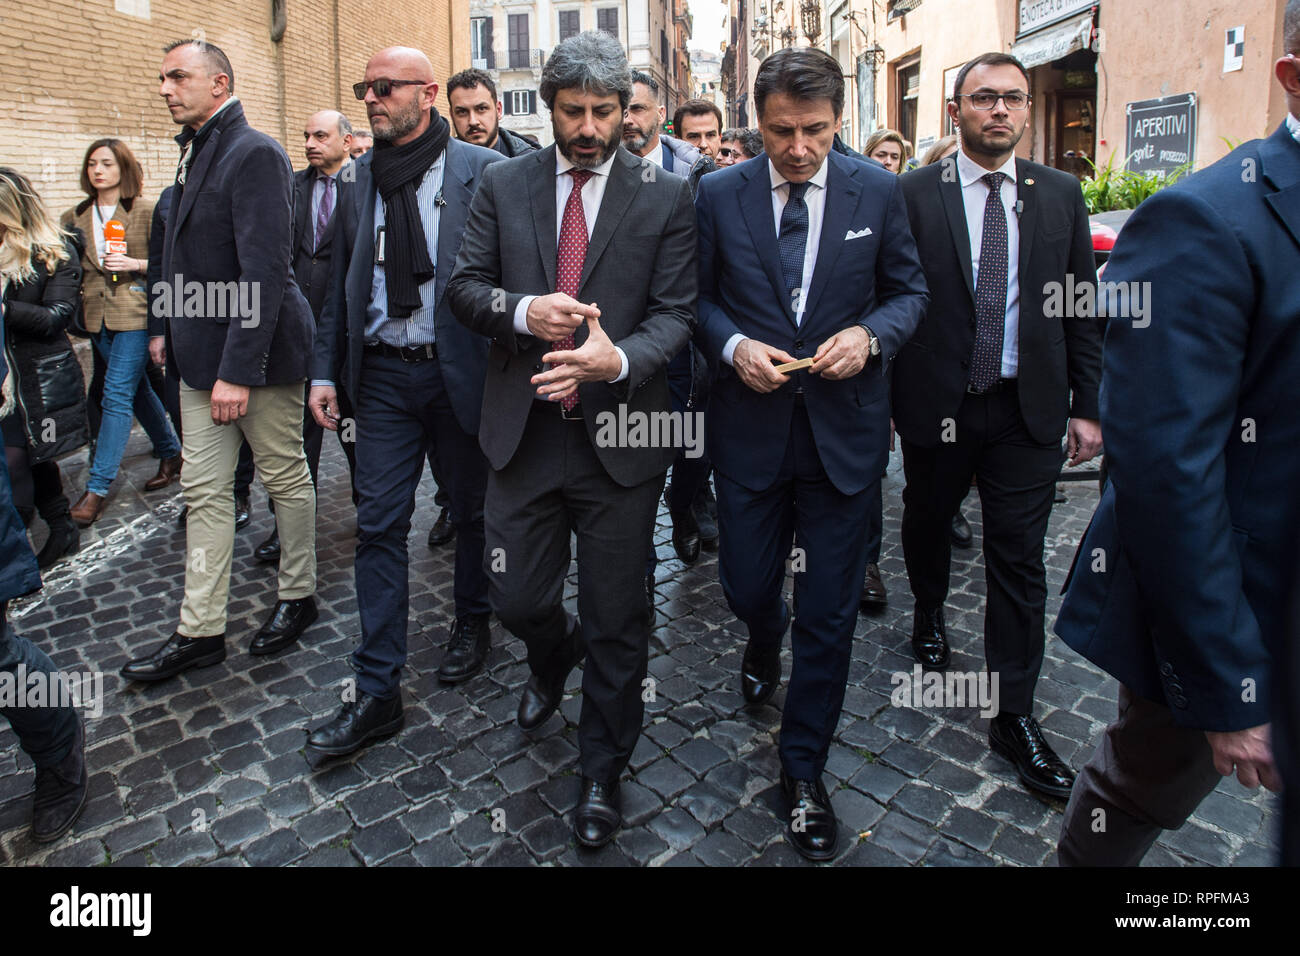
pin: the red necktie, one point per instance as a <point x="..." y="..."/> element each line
<point x="571" y="255"/>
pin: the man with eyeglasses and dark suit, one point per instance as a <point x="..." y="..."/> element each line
<point x="989" y="384"/>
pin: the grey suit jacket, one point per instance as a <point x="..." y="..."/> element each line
<point x="340" y="338"/>
<point x="640" y="270"/>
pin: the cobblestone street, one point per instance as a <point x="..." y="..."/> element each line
<point x="209" y="768"/>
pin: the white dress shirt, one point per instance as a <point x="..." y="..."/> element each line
<point x="815" y="199"/>
<point x="1293" y="124"/>
<point x="974" y="196"/>
<point x="592" y="194"/>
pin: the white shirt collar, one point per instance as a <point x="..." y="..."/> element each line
<point x="1293" y="124"/>
<point x="818" y="178"/>
<point x="970" y="171"/>
<point x="562" y="164"/>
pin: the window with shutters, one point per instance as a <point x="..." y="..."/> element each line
<point x="519" y="103"/>
<point x="663" y="48"/>
<point x="907" y="77"/>
<point x="480" y="42"/>
<point x="518" y="32"/>
<point x="570" y="25"/>
<point x="607" y="20"/>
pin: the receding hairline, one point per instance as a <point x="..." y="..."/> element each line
<point x="339" y="121"/>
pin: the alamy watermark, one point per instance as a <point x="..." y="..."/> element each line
<point x="925" y="689"/>
<point x="638" y="429"/>
<point x="208" y="300"/>
<point x="18" y="688"/>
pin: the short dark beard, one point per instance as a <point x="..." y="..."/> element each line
<point x="639" y="142"/>
<point x="400" y="124"/>
<point x="563" y="146"/>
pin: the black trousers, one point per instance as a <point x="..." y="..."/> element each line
<point x="553" y="487"/>
<point x="1016" y="478"/>
<point x="756" y="530"/>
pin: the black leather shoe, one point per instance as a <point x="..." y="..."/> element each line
<point x="597" y="817"/>
<point x="442" y="531"/>
<point x="358" y="722"/>
<point x="467" y="649"/>
<point x="1020" y="740"/>
<point x="243" y="512"/>
<point x="812" y="827"/>
<point x="269" y="550"/>
<point x="760" y="672"/>
<point x="962" y="536"/>
<point x="288" y="620"/>
<point x="873" y="588"/>
<point x="183" y="516"/>
<point x="930" y="638"/>
<point x="650" y="599"/>
<point x="686" y="535"/>
<point x="64" y="540"/>
<point x="542" y="693"/>
<point x="706" y="516"/>
<point x="176" y="655"/>
<point x="61" y="792"/>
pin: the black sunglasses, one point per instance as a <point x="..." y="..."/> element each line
<point x="383" y="88"/>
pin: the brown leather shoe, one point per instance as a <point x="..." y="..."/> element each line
<point x="169" y="469"/>
<point x="87" y="511"/>
<point x="873" y="588"/>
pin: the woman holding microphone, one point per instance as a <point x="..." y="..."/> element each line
<point x="115" y="221"/>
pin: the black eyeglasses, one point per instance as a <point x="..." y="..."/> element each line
<point x="1015" y="100"/>
<point x="729" y="152"/>
<point x="383" y="88"/>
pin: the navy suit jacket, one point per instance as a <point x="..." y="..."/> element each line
<point x="234" y="223"/>
<point x="1180" y="585"/>
<point x="462" y="354"/>
<point x="874" y="280"/>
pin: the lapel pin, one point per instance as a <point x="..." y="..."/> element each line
<point x="1029" y="182"/>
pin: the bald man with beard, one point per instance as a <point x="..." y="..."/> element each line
<point x="387" y="339"/>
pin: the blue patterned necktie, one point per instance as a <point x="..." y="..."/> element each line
<point x="990" y="291"/>
<point x="794" y="240"/>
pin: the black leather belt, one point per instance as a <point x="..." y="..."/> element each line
<point x="415" y="353"/>
<point x="573" y="415"/>
<point x="998" y="386"/>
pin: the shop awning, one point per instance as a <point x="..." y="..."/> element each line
<point x="1054" y="42"/>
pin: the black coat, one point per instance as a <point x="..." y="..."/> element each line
<point x="232" y="229"/>
<point x="49" y="387"/>
<point x="18" y="573"/>
<point x="1060" y="357"/>
<point x="312" y="265"/>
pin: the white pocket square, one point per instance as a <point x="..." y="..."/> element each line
<point x="857" y="235"/>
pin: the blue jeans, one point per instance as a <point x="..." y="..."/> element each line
<point x="126" y="354"/>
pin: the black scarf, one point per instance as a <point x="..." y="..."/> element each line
<point x="398" y="170"/>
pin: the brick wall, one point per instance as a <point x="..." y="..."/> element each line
<point x="76" y="70"/>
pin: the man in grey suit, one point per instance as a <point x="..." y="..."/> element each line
<point x="414" y="374"/>
<point x="578" y="261"/>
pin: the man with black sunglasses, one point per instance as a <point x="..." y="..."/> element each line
<point x="415" y="376"/>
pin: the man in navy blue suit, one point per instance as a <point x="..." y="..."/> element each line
<point x="1180" y="586"/>
<point x="415" y="376"/>
<point x="824" y="268"/>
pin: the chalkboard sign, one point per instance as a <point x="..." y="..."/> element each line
<point x="1161" y="134"/>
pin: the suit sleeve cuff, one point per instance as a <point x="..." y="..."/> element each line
<point x="729" y="349"/>
<point x="521" y="315"/>
<point x="622" y="373"/>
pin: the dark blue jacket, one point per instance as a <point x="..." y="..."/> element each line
<point x="462" y="354"/>
<point x="873" y="279"/>
<point x="1179" y="588"/>
<point x="233" y="222"/>
<point x="18" y="572"/>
